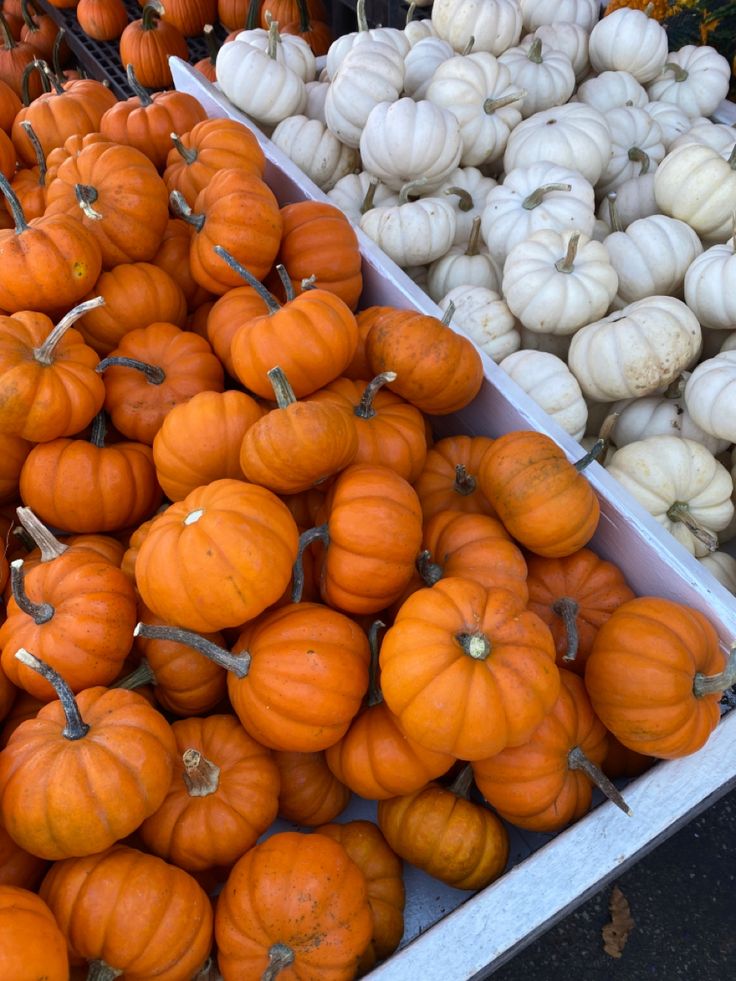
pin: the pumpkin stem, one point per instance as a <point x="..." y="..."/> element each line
<point x="490" y="105"/>
<point x="410" y="13"/>
<point x="680" y="73"/>
<point x="51" y="547"/>
<point x="535" y="51"/>
<point x="281" y="388"/>
<point x="189" y="154"/>
<point x="474" y="240"/>
<point x="45" y="353"/>
<point x="142" y="675"/>
<point x="360" y="15"/>
<point x="56" y="56"/>
<point x="151" y="15"/>
<point x="469" y="46"/>
<point x="99" y="430"/>
<point x="714" y="684"/>
<point x="364" y="409"/>
<point x="431" y="572"/>
<point x="273" y="39"/>
<point x="310" y="283"/>
<point x="463" y="782"/>
<point x="534" y="199"/>
<point x="567" y="263"/>
<point x="649" y="10"/>
<point x="8" y="40"/>
<point x="675" y="389"/>
<point x="16" y="210"/>
<point x="369" y="195"/>
<point x="320" y="533"/>
<point x="577" y="760"/>
<point x="25" y="13"/>
<point x="286" y="282"/>
<point x="305" y="23"/>
<point x="268" y="298"/>
<point x="475" y="645"/>
<point x="567" y="609"/>
<point x="211" y="42"/>
<point x="86" y="197"/>
<point x="465" y="199"/>
<point x="448" y="314"/>
<point x="594" y="453"/>
<point x="38" y="612"/>
<point x="409" y="188"/>
<point x="613" y="216"/>
<point x="100" y="971"/>
<point x="136" y="88"/>
<point x="464" y="483"/>
<point x="680" y="511"/>
<point x="239" y="664"/>
<point x="201" y="776"/>
<point x="375" y="695"/>
<point x="155" y="375"/>
<point x="182" y="210"/>
<point x="252" y="19"/>
<point x="279" y="956"/>
<point x="75" y="728"/>
<point x="31" y="67"/>
<point x="38" y="150"/>
<point x="638" y="155"/>
<point x="53" y="79"/>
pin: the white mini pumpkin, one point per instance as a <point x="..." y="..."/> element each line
<point x="696" y="185"/>
<point x="545" y="74"/>
<point x="628" y="40"/>
<point x="676" y="480"/>
<point x="421" y="63"/>
<point x="636" y="147"/>
<point x="412" y="233"/>
<point x="466" y="189"/>
<point x="612" y="89"/>
<point x="315" y="150"/>
<point x="417" y="30"/>
<point x="710" y="395"/>
<point x="316" y="95"/>
<point x="722" y="567"/>
<point x="672" y="121"/>
<point x="570" y="38"/>
<point x="556" y="282"/>
<point x="485" y="318"/>
<point x="635" y="351"/>
<point x="494" y="25"/>
<point x="538" y="12"/>
<point x="396" y="39"/>
<point x="463" y="265"/>
<point x="695" y="79"/>
<point x="549" y="382"/>
<point x="355" y="194"/>
<point x="710" y="287"/>
<point x="718" y="136"/>
<point x="291" y="50"/>
<point x="633" y="199"/>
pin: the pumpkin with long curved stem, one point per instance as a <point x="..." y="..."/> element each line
<point x="39" y="29"/>
<point x="148" y="43"/>
<point x="310" y="793"/>
<point x="139" y="935"/>
<point x="31" y="943"/>
<point x="207" y="64"/>
<point x="293" y="899"/>
<point x="14" y="58"/>
<point x="30" y="183"/>
<point x="74" y="759"/>
<point x="228" y="532"/>
<point x="449" y="479"/>
<point x="83" y="485"/>
<point x="48" y="384"/>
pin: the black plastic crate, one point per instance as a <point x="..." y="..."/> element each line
<point x="101" y="59"/>
<point x="379" y="13"/>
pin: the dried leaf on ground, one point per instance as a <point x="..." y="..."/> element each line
<point x="616" y="933"/>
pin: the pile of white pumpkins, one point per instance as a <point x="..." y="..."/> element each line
<point x="555" y="174"/>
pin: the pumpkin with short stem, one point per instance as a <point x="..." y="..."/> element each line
<point x="82" y="485"/>
<point x="199" y="440"/>
<point x="223" y="795"/>
<point x="297" y="445"/>
<point x="48" y="384"/>
<point x="437" y="369"/>
<point x="136" y="294"/>
<point x="467" y="669"/>
<point x="204" y="149"/>
<point x="17" y="866"/>
<point x="443" y="833"/>
<point x="152" y="370"/>
<point x="15" y="56"/>
<point x="391" y="432"/>
<point x="310" y="793"/>
<point x="365" y="844"/>
<point x="72" y="147"/>
<point x="544" y="500"/>
<point x="296" y="676"/>
<point x="173" y="257"/>
<point x="293" y="900"/>
<point x="574" y="595"/>
<point x="146" y="121"/>
<point x="29" y="183"/>
<point x="32" y="944"/>
<point x="315" y="31"/>
<point x="102" y="20"/>
<point x="547" y="782"/>
<point x="449" y="480"/>
<point x="74" y="759"/>
<point x="371" y="535"/>
<point x="75" y="609"/>
<point x="227" y="533"/>
<point x="656" y="674"/>
<point x="116" y="193"/>
<point x="47" y="264"/>
<point x="148" y="43"/>
<point x="207" y="64"/>
<point x="138" y="935"/>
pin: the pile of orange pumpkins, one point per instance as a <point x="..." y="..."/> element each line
<point x="242" y="581"/>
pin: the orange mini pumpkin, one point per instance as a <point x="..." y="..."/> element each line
<point x="449" y="478"/>
<point x="31" y="943"/>
<point x="148" y="43"/>
<point x="310" y="793"/>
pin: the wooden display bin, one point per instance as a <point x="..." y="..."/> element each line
<point x="452" y="935"/>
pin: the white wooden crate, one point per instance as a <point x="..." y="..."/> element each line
<point x="451" y="936"/>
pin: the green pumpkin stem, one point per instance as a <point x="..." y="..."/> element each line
<point x="680" y="511"/>
<point x="38" y="150"/>
<point x="577" y="760"/>
<point x="16" y="209"/>
<point x="279" y="956"/>
<point x="273" y="39"/>
<point x="490" y="105"/>
<point x="360" y="16"/>
<point x="567" y="609"/>
<point x="40" y="535"/>
<point x="286" y="282"/>
<point x="98" y="430"/>
<point x="201" y="776"/>
<point x="411" y="187"/>
<point x="182" y="210"/>
<point x="139" y="676"/>
<point x="680" y="73"/>
<point x="637" y="155"/>
<point x="38" y="612"/>
<point x="189" y="154"/>
<point x="321" y="534"/>
<point x="536" y="197"/>
<point x="268" y="298"/>
<point x="535" y="51"/>
<point x="8" y="40"/>
<point x="375" y="695"/>
<point x="75" y="727"/>
<point x="136" y="88"/>
<point x="614" y="219"/>
<point x="431" y="572"/>
<point x="715" y="684"/>
<point x="238" y="664"/>
<point x="151" y="15"/>
<point x="410" y="13"/>
<point x="210" y="41"/>
<point x="469" y="46"/>
<point x="465" y="198"/>
<point x="155" y="375"/>
<point x="305" y="23"/>
<point x="448" y="314"/>
<point x="473" y="242"/>
<point x="58" y="71"/>
<point x="253" y="15"/>
<point x="282" y="390"/>
<point x="86" y="196"/>
<point x="567" y="263"/>
<point x="370" y="194"/>
<point x="364" y="409"/>
<point x="45" y="353"/>
<point x="33" y="66"/>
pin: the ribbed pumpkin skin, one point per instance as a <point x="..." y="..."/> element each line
<point x="308" y="675"/>
<point x="597" y="586"/>
<point x="228" y="314"/>
<point x="90" y="633"/>
<point x="437" y="485"/>
<point x="310" y="793"/>
<point x="64" y="797"/>
<point x="17" y="866"/>
<point x="199" y="832"/>
<point x="532" y="786"/>
<point x="223" y="567"/>
<point x="544" y="502"/>
<point x="190" y="16"/>
<point x="454" y="702"/>
<point x="102" y="20"/>
<point x="299" y="890"/>
<point x="31" y="943"/>
<point x="13" y="452"/>
<point x="286" y="11"/>
<point x="149" y="51"/>
<point x="640" y="673"/>
<point x="134" y="911"/>
<point x="173" y="257"/>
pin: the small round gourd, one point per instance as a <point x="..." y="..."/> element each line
<point x="546" y="75"/>
<point x="722" y="567"/>
<point x="695" y="184"/>
<point x="549" y="382"/>
<point x="343" y="45"/>
<point x="652" y="257"/>
<point x="672" y="121"/>
<point x="710" y="287"/>
<point x="412" y="233"/>
<point x="710" y="395"/>
<point x="422" y="62"/>
<point x="630" y="40"/>
<point x="569" y="37"/>
<point x="695" y="78"/>
<point x="636" y="147"/>
<point x="538" y="12"/>
<point x="463" y="265"/>
<point x="494" y="25"/>
<point x="466" y="188"/>
<point x="315" y="150"/>
<point x="485" y="318"/>
<point x="355" y="194"/>
<point x="612" y="89"/>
